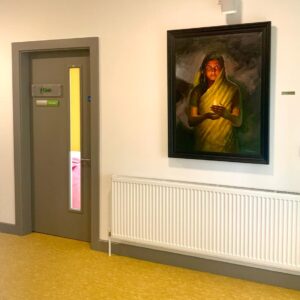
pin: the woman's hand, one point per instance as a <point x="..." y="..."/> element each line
<point x="195" y="119"/>
<point x="212" y="116"/>
<point x="221" y="111"/>
<point x="234" y="117"/>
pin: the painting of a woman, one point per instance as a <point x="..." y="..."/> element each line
<point x="215" y="108"/>
<point x="218" y="92"/>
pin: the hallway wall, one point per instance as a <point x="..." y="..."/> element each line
<point x="133" y="87"/>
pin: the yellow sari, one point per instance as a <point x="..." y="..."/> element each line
<point x="217" y="135"/>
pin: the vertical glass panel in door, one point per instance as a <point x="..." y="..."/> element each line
<point x="75" y="139"/>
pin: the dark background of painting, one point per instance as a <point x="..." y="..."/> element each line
<point x="242" y="54"/>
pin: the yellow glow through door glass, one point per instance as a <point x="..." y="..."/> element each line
<point x="75" y="139"/>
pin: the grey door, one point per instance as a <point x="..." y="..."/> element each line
<point x="61" y="143"/>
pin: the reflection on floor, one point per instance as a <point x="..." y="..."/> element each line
<point x="42" y="267"/>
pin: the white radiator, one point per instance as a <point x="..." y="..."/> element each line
<point x="250" y="227"/>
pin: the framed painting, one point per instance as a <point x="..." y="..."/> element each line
<point x="218" y="92"/>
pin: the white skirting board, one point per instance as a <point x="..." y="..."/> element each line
<point x="244" y="226"/>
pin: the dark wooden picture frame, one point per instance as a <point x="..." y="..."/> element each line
<point x="218" y="93"/>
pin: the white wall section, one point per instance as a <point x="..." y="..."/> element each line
<point x="133" y="87"/>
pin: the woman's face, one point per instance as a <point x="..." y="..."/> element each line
<point x="212" y="70"/>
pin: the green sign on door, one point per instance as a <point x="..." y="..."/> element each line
<point x="47" y="102"/>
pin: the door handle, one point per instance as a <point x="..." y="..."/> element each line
<point x="85" y="159"/>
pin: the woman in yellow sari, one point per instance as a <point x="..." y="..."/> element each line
<point x="215" y="108"/>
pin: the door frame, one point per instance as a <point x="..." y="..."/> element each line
<point x="22" y="129"/>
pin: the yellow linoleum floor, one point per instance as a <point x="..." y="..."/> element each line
<point x="39" y="266"/>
